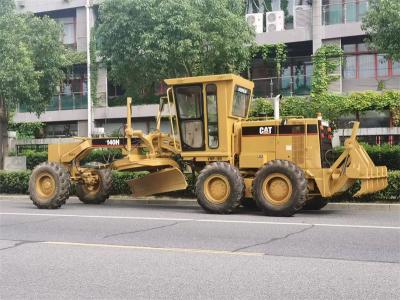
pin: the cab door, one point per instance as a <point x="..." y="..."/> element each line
<point x="190" y="110"/>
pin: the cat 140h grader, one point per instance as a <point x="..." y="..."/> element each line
<point x="278" y="162"/>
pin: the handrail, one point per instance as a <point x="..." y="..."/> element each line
<point x="272" y="118"/>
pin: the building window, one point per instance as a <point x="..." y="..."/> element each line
<point x="396" y="68"/>
<point x="382" y="66"/>
<point x="362" y="63"/>
<point x="350" y="67"/>
<point x="366" y="66"/>
<point x="69" y="36"/>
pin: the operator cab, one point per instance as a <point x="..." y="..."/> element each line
<point x="206" y="108"/>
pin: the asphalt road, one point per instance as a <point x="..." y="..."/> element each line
<point x="125" y="250"/>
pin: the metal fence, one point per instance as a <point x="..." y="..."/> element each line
<point x="70" y="101"/>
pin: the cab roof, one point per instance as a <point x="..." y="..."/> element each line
<point x="211" y="78"/>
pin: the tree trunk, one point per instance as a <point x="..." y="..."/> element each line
<point x="3" y="132"/>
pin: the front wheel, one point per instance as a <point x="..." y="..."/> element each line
<point x="219" y="188"/>
<point x="99" y="191"/>
<point x="280" y="188"/>
<point x="49" y="185"/>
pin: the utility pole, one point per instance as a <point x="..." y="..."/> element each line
<point x="89" y="87"/>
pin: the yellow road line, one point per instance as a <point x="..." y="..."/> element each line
<point x="179" y="250"/>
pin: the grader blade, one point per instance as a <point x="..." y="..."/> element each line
<point x="373" y="179"/>
<point x="167" y="180"/>
<point x="377" y="181"/>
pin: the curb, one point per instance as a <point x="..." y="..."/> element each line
<point x="190" y="202"/>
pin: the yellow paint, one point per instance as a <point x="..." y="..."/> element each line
<point x="160" y="249"/>
<point x="156" y="152"/>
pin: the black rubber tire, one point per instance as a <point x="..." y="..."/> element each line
<point x="62" y="185"/>
<point x="103" y="192"/>
<point x="236" y="185"/>
<point x="316" y="203"/>
<point x="297" y="180"/>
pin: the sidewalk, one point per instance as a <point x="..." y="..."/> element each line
<point x="191" y="202"/>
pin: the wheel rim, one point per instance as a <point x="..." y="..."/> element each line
<point x="45" y="185"/>
<point x="277" y="189"/>
<point x="217" y="188"/>
<point x="93" y="189"/>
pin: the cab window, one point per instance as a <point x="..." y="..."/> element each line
<point x="212" y="116"/>
<point x="241" y="100"/>
<point x="190" y="112"/>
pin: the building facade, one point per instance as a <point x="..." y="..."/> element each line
<point x="303" y="25"/>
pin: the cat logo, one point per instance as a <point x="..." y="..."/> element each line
<point x="265" y="130"/>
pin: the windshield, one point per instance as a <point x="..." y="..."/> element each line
<point x="241" y="100"/>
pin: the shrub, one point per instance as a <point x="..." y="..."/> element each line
<point x="381" y="155"/>
<point x="119" y="185"/>
<point x="103" y="156"/>
<point x="14" y="182"/>
<point x="28" y="130"/>
<point x="391" y="193"/>
<point x="261" y="107"/>
<point x="17" y="183"/>
<point x="34" y="158"/>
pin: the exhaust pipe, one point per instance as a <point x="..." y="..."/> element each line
<point x="276" y="106"/>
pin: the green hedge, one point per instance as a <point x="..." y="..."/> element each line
<point x="14" y="182"/>
<point x="119" y="185"/>
<point x="17" y="183"/>
<point x="381" y="155"/>
<point x="34" y="158"/>
<point x="103" y="156"/>
<point x="390" y="194"/>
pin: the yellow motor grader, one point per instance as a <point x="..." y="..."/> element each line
<point x="279" y="162"/>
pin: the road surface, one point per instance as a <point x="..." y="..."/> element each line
<point x="131" y="251"/>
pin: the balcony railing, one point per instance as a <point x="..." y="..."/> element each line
<point x="298" y="85"/>
<point x="343" y="13"/>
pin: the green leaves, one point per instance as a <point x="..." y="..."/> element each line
<point x="29" y="130"/>
<point x="326" y="60"/>
<point x="6" y="7"/>
<point x="277" y="54"/>
<point x="31" y="57"/>
<point x="382" y="24"/>
<point x="332" y="106"/>
<point x="261" y="107"/>
<point x="145" y="41"/>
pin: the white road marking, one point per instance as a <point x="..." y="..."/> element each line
<point x="185" y="250"/>
<point x="202" y="220"/>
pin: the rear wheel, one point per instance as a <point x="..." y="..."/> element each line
<point x="280" y="188"/>
<point x="315" y="203"/>
<point x="49" y="185"/>
<point x="219" y="188"/>
<point x="98" y="192"/>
